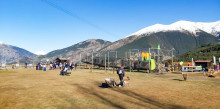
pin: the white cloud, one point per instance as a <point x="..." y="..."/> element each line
<point x="40" y="53"/>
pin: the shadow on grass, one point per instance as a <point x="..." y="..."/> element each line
<point x="66" y="99"/>
<point x="104" y="85"/>
<point x="127" y="97"/>
<point x="178" y="79"/>
<point x="100" y="95"/>
<point x="147" y="100"/>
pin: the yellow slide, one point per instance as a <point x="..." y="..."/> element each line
<point x="153" y="65"/>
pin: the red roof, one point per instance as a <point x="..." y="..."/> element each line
<point x="203" y="61"/>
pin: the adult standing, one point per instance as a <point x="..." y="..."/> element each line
<point x="51" y="66"/>
<point x="25" y="65"/>
<point x="61" y="66"/>
<point x="179" y="67"/>
<point x="167" y="66"/>
<point x="71" y="66"/>
<point x="75" y="66"/>
<point x="121" y="74"/>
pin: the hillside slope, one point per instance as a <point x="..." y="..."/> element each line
<point x="202" y="53"/>
<point x="73" y="52"/>
<point x="181" y="42"/>
<point x="9" y="53"/>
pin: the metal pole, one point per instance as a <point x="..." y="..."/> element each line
<point x="105" y="63"/>
<point x="108" y="60"/>
<point x="92" y="60"/>
<point x="80" y="62"/>
<point x="3" y="55"/>
<point x="5" y="59"/>
<point x="218" y="60"/>
<point x="158" y="61"/>
<point x="33" y="63"/>
<point x="18" y="60"/>
<point x="80" y="58"/>
<point x="130" y="60"/>
<point x="138" y="55"/>
<point x="87" y="57"/>
<point x="72" y="57"/>
<point x="172" y="58"/>
<point x="100" y="59"/>
<point x="126" y="55"/>
<point x="149" y="60"/>
<point x="116" y="56"/>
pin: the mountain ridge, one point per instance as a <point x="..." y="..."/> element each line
<point x="181" y="42"/>
<point x="9" y="53"/>
<point x="73" y="52"/>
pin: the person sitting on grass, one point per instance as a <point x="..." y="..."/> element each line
<point x="64" y="71"/>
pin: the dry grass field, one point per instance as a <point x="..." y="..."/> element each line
<point x="31" y="89"/>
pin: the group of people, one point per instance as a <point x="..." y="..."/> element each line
<point x="54" y="65"/>
<point x="65" y="67"/>
<point x="39" y="66"/>
<point x="62" y="66"/>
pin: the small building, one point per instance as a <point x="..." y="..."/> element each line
<point x="203" y="63"/>
<point x="62" y="60"/>
<point x="184" y="63"/>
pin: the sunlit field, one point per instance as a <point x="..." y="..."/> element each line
<point x="31" y="89"/>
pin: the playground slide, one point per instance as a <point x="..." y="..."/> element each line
<point x="153" y="65"/>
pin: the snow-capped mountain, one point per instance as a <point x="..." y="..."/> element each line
<point x="182" y="26"/>
<point x="181" y="35"/>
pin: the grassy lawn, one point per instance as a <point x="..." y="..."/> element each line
<point x="31" y="89"/>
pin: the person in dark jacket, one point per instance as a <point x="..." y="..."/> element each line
<point x="167" y="66"/>
<point x="71" y="66"/>
<point x="25" y="65"/>
<point x="121" y="74"/>
<point x="75" y="66"/>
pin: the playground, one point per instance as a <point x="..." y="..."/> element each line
<point x="37" y="89"/>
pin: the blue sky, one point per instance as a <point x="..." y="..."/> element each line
<point x="46" y="25"/>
